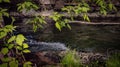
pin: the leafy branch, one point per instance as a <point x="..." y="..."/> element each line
<point x="26" y="6"/>
<point x="59" y="21"/>
<point x="37" y="22"/>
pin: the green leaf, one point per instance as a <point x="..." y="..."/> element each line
<point x="19" y="47"/>
<point x="35" y="7"/>
<point x="55" y="18"/>
<point x="10" y="46"/>
<point x="4" y="51"/>
<point x="13" y="63"/>
<point x="27" y="64"/>
<point x="2" y="34"/>
<point x="110" y="6"/>
<point x="35" y="27"/>
<point x="11" y="39"/>
<point x="7" y="59"/>
<point x="87" y="18"/>
<point x="4" y="65"/>
<point x="6" y="14"/>
<point x="62" y="24"/>
<point x="13" y="19"/>
<point x="69" y="26"/>
<point x="20" y="39"/>
<point x="58" y="26"/>
<point x="19" y="7"/>
<point x="8" y="1"/>
<point x="26" y="51"/>
<point x="9" y="28"/>
<point x="98" y="1"/>
<point x="0" y="1"/>
<point x="25" y="45"/>
<point x="4" y="10"/>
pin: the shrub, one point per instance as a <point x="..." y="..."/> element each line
<point x="71" y="60"/>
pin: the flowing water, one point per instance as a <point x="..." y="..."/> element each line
<point x="86" y="37"/>
<point x="81" y="37"/>
<point x="46" y="46"/>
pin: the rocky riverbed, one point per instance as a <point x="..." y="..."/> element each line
<point x="43" y="53"/>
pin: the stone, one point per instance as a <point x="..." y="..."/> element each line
<point x="43" y="58"/>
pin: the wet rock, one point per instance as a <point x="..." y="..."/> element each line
<point x="45" y="57"/>
<point x="87" y="58"/>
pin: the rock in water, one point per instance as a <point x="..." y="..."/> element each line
<point x="46" y="46"/>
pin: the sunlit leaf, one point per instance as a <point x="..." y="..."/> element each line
<point x="69" y="26"/>
<point x="27" y="64"/>
<point x="62" y="24"/>
<point x="55" y="18"/>
<point x="35" y="7"/>
<point x="35" y="27"/>
<point x="11" y="39"/>
<point x="4" y="51"/>
<point x="6" y="14"/>
<point x="25" y="45"/>
<point x="10" y="46"/>
<point x="9" y="28"/>
<point x="20" y="39"/>
<point x="110" y="6"/>
<point x="13" y="63"/>
<point x="19" y="47"/>
<point x="58" y="26"/>
<point x="13" y="19"/>
<point x="19" y="8"/>
<point x="2" y="34"/>
<point x="26" y="51"/>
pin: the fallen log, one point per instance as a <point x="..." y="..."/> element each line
<point x="94" y="23"/>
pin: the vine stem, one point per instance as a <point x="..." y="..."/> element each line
<point x="23" y="56"/>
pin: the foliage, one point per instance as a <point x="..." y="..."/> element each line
<point x="8" y="1"/>
<point x="14" y="42"/>
<point x="113" y="61"/>
<point x="5" y="30"/>
<point x="80" y="8"/>
<point x="71" y="60"/>
<point x="83" y="7"/>
<point x="69" y="10"/>
<point x="3" y="12"/>
<point x="37" y="22"/>
<point x="26" y="6"/>
<point x="59" y="21"/>
<point x="13" y="46"/>
<point x="104" y="6"/>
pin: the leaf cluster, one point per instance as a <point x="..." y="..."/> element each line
<point x="3" y="12"/>
<point x="59" y="21"/>
<point x="105" y="7"/>
<point x="81" y="8"/>
<point x="37" y="22"/>
<point x="26" y="6"/>
<point x="5" y="30"/>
